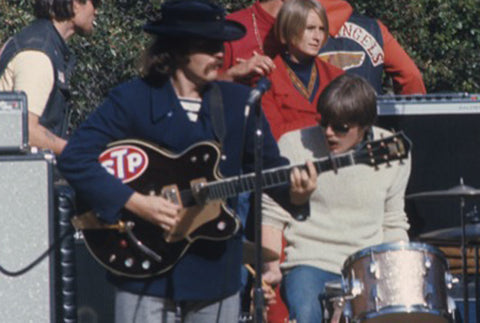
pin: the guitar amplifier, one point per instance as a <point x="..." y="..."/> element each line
<point x="27" y="278"/>
<point x="445" y="132"/>
<point x="13" y="122"/>
<point x="429" y="104"/>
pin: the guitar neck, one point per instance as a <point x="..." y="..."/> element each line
<point x="233" y="186"/>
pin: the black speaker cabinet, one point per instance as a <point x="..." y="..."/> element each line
<point x="95" y="296"/>
<point x="446" y="149"/>
<point x="27" y="294"/>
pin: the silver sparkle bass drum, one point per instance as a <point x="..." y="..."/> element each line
<point x="397" y="283"/>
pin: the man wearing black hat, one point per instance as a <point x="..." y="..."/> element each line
<point x="174" y="106"/>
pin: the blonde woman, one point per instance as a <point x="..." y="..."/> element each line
<point x="299" y="78"/>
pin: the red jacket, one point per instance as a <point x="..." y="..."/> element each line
<point x="406" y="77"/>
<point x="284" y="107"/>
<point x="260" y="39"/>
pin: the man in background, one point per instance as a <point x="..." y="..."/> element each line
<point x="38" y="62"/>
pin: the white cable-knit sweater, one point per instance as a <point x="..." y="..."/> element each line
<point x="351" y="210"/>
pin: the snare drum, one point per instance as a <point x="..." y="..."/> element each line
<point x="397" y="282"/>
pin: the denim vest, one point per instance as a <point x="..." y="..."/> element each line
<point x="41" y="35"/>
<point x="358" y="49"/>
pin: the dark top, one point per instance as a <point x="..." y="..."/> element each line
<point x="209" y="270"/>
<point x="359" y="45"/>
<point x="41" y="35"/>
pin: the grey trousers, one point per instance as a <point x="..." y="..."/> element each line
<point x="133" y="308"/>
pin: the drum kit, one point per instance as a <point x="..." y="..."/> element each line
<point x="410" y="281"/>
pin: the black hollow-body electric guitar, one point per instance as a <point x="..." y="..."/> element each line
<point x="135" y="248"/>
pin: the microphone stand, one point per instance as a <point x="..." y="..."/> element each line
<point x="253" y="101"/>
<point x="259" y="302"/>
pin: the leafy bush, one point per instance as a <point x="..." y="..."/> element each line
<point x="442" y="36"/>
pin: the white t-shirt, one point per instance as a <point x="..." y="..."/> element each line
<point x="30" y="71"/>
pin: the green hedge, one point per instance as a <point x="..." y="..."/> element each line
<point x="442" y="36"/>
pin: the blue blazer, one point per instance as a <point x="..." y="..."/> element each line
<point x="208" y="270"/>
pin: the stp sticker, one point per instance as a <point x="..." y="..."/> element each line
<point x="124" y="162"/>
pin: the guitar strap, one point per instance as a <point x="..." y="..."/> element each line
<point x="218" y="123"/>
<point x="218" y="120"/>
<point x="216" y="112"/>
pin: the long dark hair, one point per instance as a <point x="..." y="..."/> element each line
<point x="163" y="57"/>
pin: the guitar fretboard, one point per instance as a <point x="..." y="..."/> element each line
<point x="232" y="186"/>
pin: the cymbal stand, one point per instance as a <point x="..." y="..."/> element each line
<point x="477" y="292"/>
<point x="464" y="259"/>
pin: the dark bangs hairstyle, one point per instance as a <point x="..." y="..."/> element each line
<point x="348" y="99"/>
<point x="57" y="9"/>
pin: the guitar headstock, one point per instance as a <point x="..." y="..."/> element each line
<point x="384" y="150"/>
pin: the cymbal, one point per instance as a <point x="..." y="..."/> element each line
<point x="457" y="191"/>
<point x="249" y="253"/>
<point x="472" y="233"/>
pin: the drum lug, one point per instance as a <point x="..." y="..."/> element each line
<point x="427" y="294"/>
<point x="373" y="269"/>
<point x="374" y="295"/>
<point x="451" y="307"/>
<point x="354" y="288"/>
<point x="427" y="262"/>
<point x="450" y="280"/>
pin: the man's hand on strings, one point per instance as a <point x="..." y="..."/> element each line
<point x="302" y="183"/>
<point x="155" y="209"/>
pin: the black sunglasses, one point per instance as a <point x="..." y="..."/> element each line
<point x="207" y="46"/>
<point x="341" y="128"/>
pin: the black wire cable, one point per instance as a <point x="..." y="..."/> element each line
<point x="32" y="265"/>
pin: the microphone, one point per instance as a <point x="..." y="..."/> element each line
<point x="256" y="93"/>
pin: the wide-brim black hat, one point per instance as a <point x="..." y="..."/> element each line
<point x="195" y="18"/>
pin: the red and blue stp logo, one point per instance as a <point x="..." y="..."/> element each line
<point x="124" y="162"/>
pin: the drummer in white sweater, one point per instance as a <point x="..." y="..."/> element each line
<point x="352" y="209"/>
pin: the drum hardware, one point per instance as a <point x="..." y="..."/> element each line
<point x="452" y="235"/>
<point x="336" y="304"/>
<point x="462" y="192"/>
<point x="427" y="262"/>
<point x="397" y="282"/>
<point x="454" y="192"/>
<point x="373" y="267"/>
<point x="473" y="216"/>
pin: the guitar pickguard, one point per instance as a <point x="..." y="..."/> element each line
<point x="119" y="252"/>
